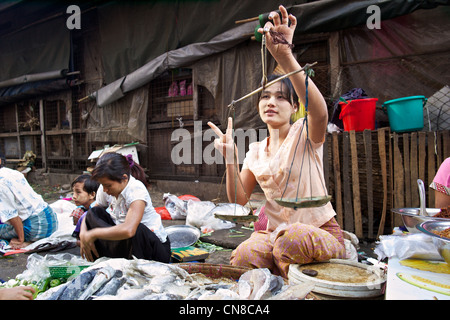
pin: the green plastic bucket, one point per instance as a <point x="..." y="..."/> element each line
<point x="405" y="114"/>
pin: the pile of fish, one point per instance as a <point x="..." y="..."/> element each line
<point x="138" y="279"/>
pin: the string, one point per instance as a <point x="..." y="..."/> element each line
<point x="264" y="60"/>
<point x="307" y="148"/>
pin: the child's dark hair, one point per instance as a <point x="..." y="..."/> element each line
<point x="286" y="83"/>
<point x="113" y="166"/>
<point x="89" y="184"/>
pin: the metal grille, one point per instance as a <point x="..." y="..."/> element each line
<point x="28" y="113"/>
<point x="8" y="119"/>
<point x="56" y="117"/>
<point x="171" y="96"/>
<point x="438" y="115"/>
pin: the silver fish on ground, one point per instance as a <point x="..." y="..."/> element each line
<point x="103" y="275"/>
<point x="259" y="284"/>
<point x="159" y="269"/>
<point x="163" y="296"/>
<point x="220" y="294"/>
<point x="111" y="287"/>
<point x="293" y="292"/>
<point x="72" y="289"/>
<point x="127" y="294"/>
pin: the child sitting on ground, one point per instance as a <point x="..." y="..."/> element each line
<point x="84" y="192"/>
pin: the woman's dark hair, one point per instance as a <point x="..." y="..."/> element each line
<point x="89" y="184"/>
<point x="287" y="87"/>
<point x="113" y="166"/>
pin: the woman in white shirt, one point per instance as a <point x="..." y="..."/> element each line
<point x="123" y="223"/>
<point x="25" y="217"/>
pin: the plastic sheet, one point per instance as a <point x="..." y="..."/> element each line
<point x="38" y="266"/>
<point x="200" y="214"/>
<point x="414" y="246"/>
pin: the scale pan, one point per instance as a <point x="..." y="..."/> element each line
<point x="236" y="218"/>
<point x="304" y="202"/>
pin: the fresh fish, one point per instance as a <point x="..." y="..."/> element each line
<point x="131" y="294"/>
<point x="163" y="296"/>
<point x="258" y="284"/>
<point x="293" y="292"/>
<point x="159" y="284"/>
<point x="103" y="275"/>
<point x="159" y="269"/>
<point x="140" y="279"/>
<point x="221" y="294"/>
<point x="111" y="287"/>
<point x="77" y="286"/>
<point x="54" y="295"/>
<point x="201" y="292"/>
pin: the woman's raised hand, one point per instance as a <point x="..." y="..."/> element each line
<point x="281" y="26"/>
<point x="225" y="143"/>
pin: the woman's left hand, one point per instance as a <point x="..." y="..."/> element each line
<point x="87" y="246"/>
<point x="282" y="27"/>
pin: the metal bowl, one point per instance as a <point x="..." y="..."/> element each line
<point x="182" y="235"/>
<point x="411" y="217"/>
<point x="442" y="244"/>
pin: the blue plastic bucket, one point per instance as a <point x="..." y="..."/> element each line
<point x="405" y="114"/>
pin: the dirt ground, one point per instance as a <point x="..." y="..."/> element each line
<point x="13" y="265"/>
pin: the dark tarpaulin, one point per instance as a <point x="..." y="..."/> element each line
<point x="37" y="49"/>
<point x="134" y="33"/>
<point x="118" y="59"/>
<point x="29" y="90"/>
<point x="334" y="15"/>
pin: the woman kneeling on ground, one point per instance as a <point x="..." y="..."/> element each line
<point x="123" y="223"/>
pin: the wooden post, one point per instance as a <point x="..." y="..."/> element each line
<point x="19" y="145"/>
<point x="407" y="174"/>
<point x="399" y="180"/>
<point x="382" y="153"/>
<point x="355" y="184"/>
<point x="422" y="155"/>
<point x="414" y="171"/>
<point x="431" y="168"/>
<point x="446" y="144"/>
<point x="43" y="142"/>
<point x="348" y="208"/>
<point x="337" y="179"/>
<point x="367" y="135"/>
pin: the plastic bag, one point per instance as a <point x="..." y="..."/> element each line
<point x="351" y="243"/>
<point x="187" y="197"/>
<point x="414" y="246"/>
<point x="63" y="207"/>
<point x="162" y="211"/>
<point x="176" y="207"/>
<point x="200" y="214"/>
<point x="38" y="266"/>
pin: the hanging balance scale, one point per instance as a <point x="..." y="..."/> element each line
<point x="295" y="203"/>
<point x="311" y="201"/>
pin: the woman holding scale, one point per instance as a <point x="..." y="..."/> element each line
<point x="287" y="165"/>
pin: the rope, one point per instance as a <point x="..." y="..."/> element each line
<point x="308" y="146"/>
